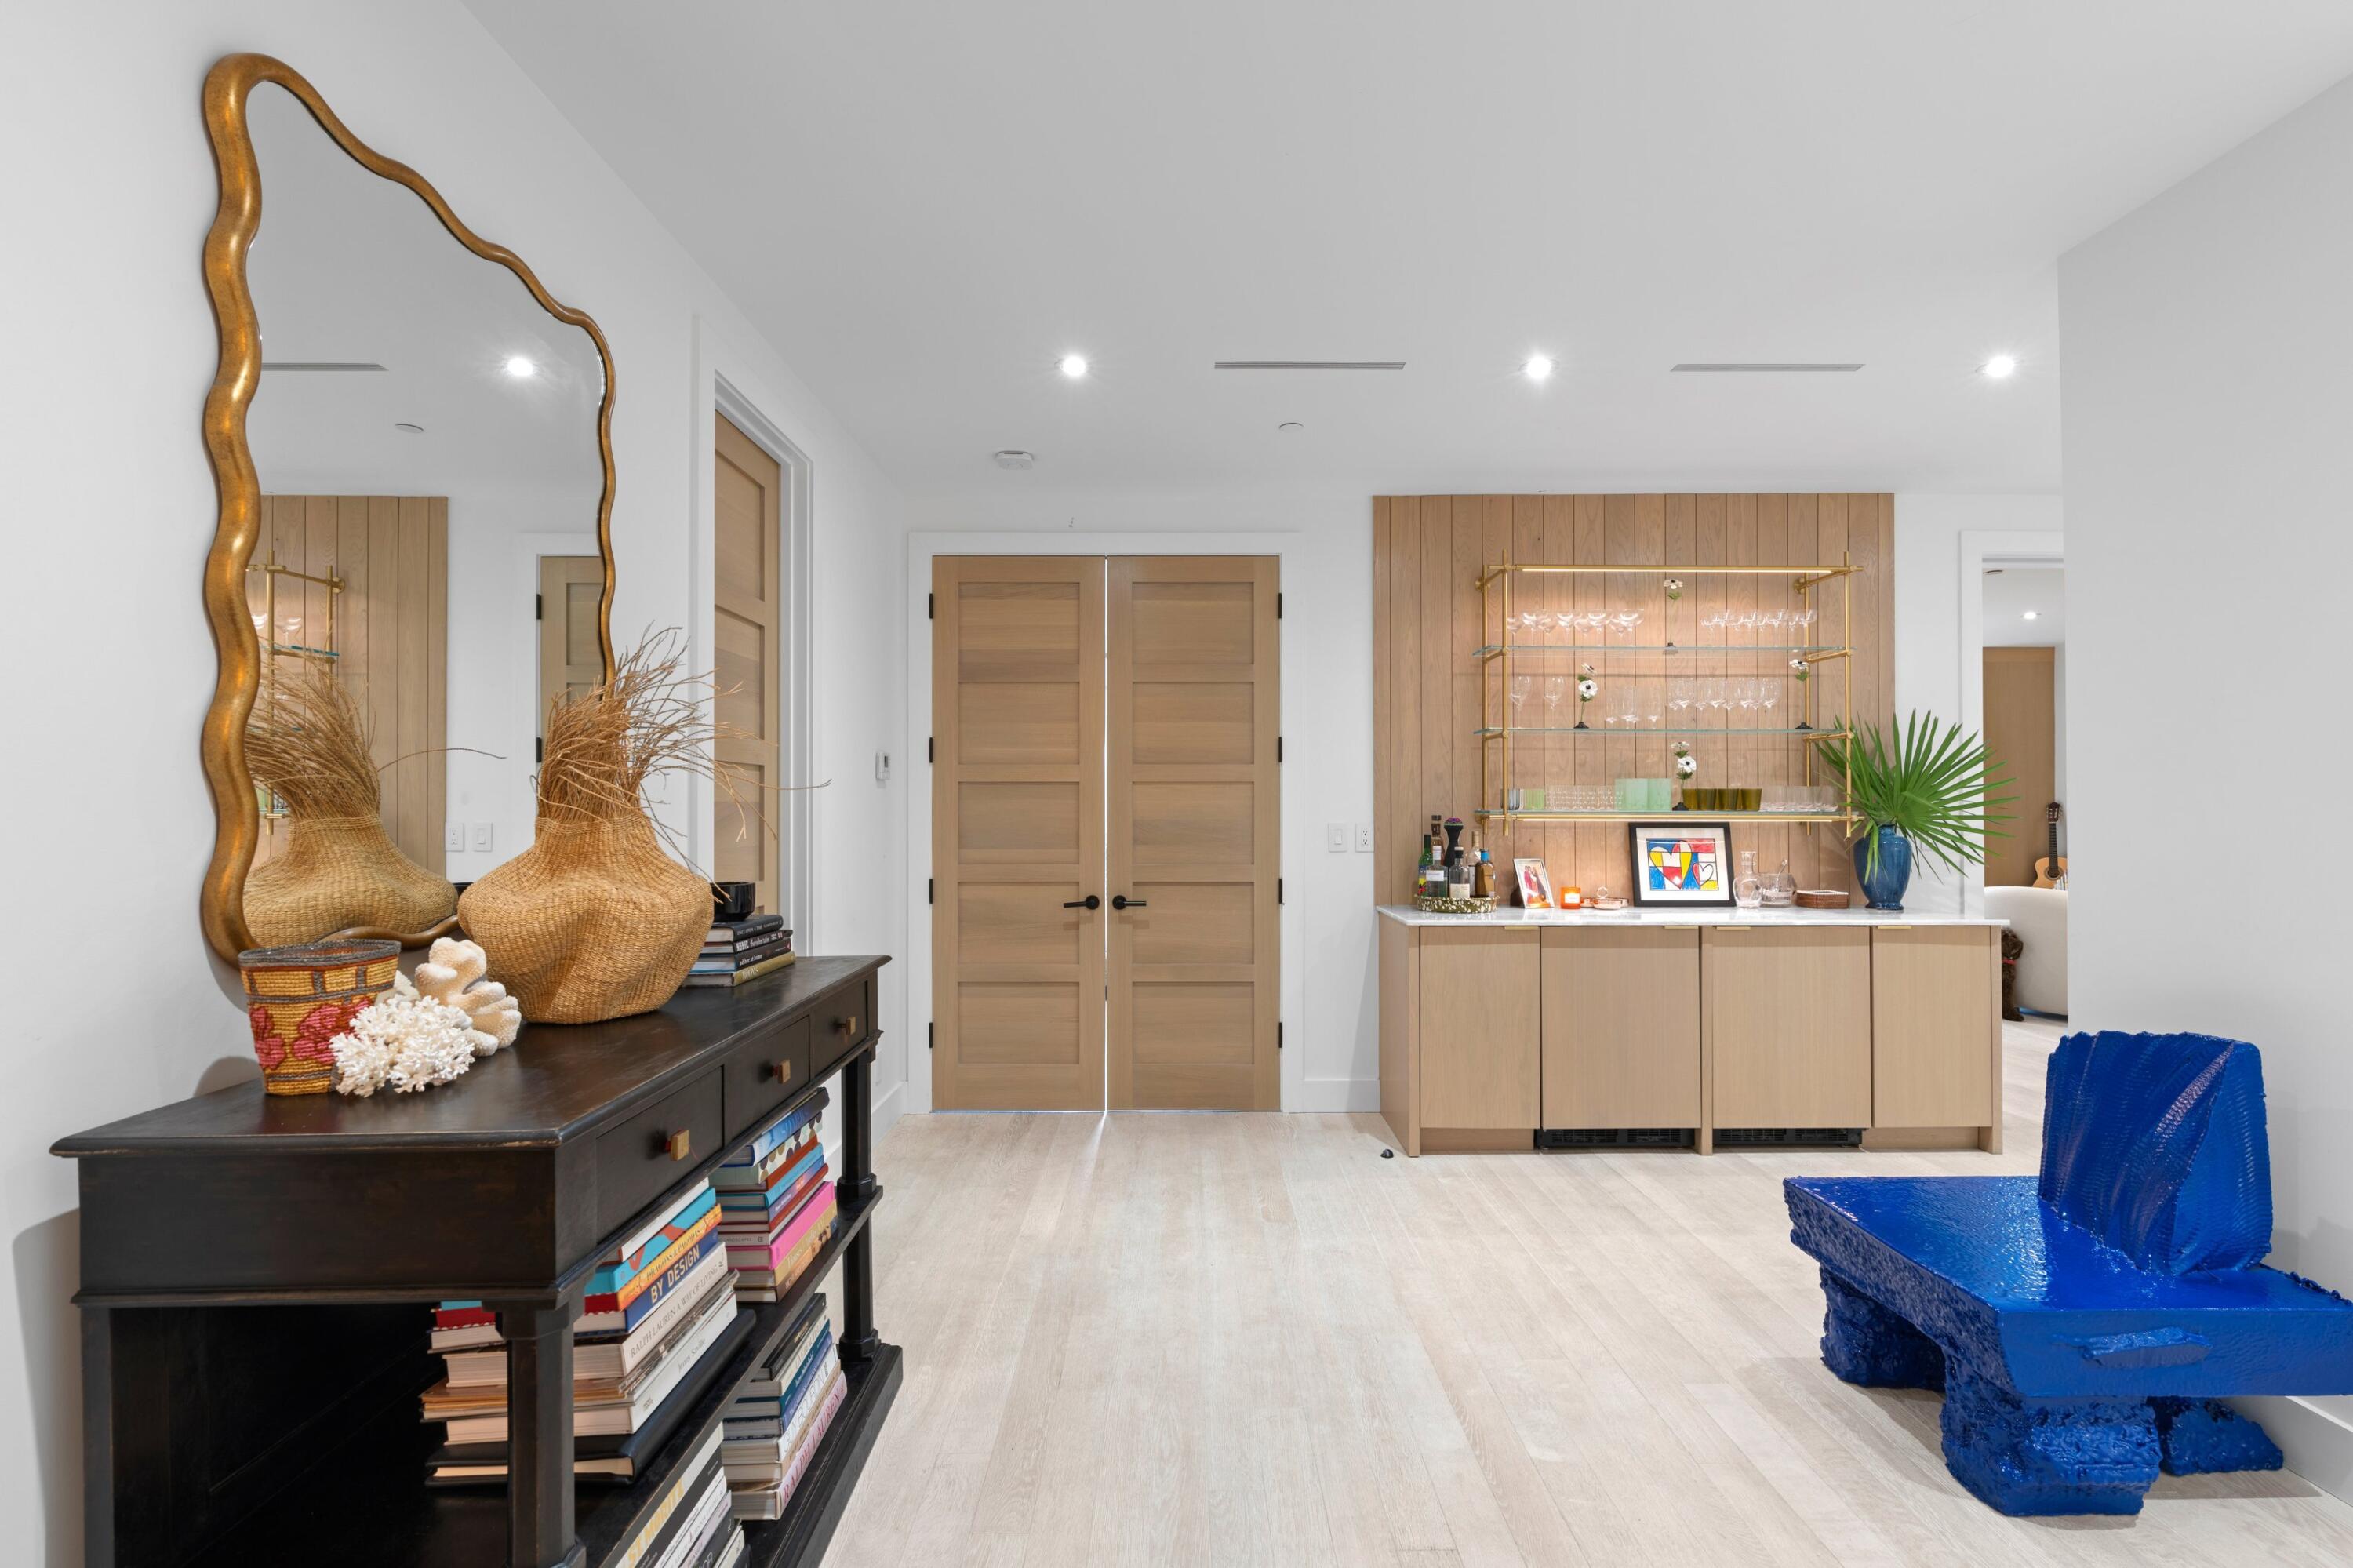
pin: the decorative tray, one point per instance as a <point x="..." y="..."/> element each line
<point x="1455" y="905"/>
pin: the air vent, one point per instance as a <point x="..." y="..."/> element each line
<point x="317" y="364"/>
<point x="1309" y="365"/>
<point x="1776" y="365"/>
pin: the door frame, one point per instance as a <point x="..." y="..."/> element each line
<point x="1980" y="548"/>
<point x="1289" y="550"/>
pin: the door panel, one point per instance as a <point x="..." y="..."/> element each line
<point x="1194" y="969"/>
<point x="747" y="621"/>
<point x="1017" y="832"/>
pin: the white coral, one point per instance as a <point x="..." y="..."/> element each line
<point x="453" y="975"/>
<point x="403" y="1041"/>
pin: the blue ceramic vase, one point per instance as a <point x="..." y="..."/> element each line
<point x="1884" y="890"/>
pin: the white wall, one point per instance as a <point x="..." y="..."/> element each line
<point x="1940" y="541"/>
<point x="1330" y="1013"/>
<point x="111" y="511"/>
<point x="2207" y="404"/>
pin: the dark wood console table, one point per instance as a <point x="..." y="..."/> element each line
<point x="252" y="1268"/>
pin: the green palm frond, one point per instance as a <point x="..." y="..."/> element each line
<point x="1935" y="788"/>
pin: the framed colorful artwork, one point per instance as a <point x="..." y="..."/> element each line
<point x="1678" y="865"/>
<point x="1536" y="887"/>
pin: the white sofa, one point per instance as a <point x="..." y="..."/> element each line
<point x="2039" y="916"/>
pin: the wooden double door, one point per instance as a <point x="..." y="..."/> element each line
<point x="1104" y="833"/>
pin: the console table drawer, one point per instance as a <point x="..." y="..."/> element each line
<point x="646" y="1155"/>
<point x="841" y="1027"/>
<point x="764" y="1074"/>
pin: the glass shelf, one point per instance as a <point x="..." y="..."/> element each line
<point x="1840" y="818"/>
<point x="1647" y="729"/>
<point x="1817" y="653"/>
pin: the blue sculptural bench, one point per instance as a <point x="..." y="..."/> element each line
<point x="2073" y="1370"/>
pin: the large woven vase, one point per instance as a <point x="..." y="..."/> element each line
<point x="339" y="872"/>
<point x="593" y="921"/>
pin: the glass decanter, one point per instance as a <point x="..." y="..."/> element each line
<point x="1748" y="890"/>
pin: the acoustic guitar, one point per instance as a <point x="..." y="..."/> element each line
<point x="2051" y="869"/>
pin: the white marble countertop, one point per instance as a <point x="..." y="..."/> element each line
<point x="1406" y="915"/>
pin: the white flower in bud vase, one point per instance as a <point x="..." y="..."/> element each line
<point x="1686" y="766"/>
<point x="1674" y="588"/>
<point x="1800" y="669"/>
<point x="1588" y="688"/>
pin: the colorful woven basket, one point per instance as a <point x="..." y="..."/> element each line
<point x="299" y="999"/>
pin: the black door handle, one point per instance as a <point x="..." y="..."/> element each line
<point x="1089" y="902"/>
<point x="1122" y="901"/>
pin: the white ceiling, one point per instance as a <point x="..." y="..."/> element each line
<point x="2012" y="592"/>
<point x="923" y="206"/>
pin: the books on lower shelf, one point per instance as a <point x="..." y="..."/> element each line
<point x="781" y="1413"/>
<point x="694" y="1525"/>
<point x="739" y="951"/>
<point x="778" y="1210"/>
<point x="666" y="1302"/>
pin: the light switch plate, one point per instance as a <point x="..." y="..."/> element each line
<point x="1335" y="837"/>
<point x="481" y="837"/>
<point x="453" y="836"/>
<point x="881" y="768"/>
<point x="1364" y="838"/>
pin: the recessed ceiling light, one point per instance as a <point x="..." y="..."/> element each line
<point x="406" y="428"/>
<point x="1290" y="425"/>
<point x="2001" y="368"/>
<point x="1538" y="367"/>
<point x="2033" y="615"/>
<point x="520" y="367"/>
<point x="1074" y="366"/>
<point x="1013" y="459"/>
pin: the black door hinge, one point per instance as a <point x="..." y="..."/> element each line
<point x="931" y="889"/>
<point x="539" y="748"/>
<point x="1278" y="890"/>
<point x="1278" y="607"/>
<point x="931" y="607"/>
<point x="931" y="749"/>
<point x="1277" y="749"/>
<point x="1278" y="1034"/>
<point x="931" y="1036"/>
<point x="538" y="607"/>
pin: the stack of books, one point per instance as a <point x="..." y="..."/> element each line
<point x="777" y="1208"/>
<point x="655" y="1309"/>
<point x="781" y="1413"/>
<point x="694" y="1525"/>
<point x="738" y="950"/>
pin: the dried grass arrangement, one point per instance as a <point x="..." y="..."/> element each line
<point x="307" y="743"/>
<point x="595" y="920"/>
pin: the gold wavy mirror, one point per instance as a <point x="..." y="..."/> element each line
<point x="412" y="443"/>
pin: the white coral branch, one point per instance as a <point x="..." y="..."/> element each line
<point x="453" y="975"/>
<point x="403" y="1041"/>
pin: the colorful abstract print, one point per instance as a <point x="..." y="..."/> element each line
<point x="1684" y="865"/>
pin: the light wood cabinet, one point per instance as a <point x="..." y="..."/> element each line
<point x="1786" y="1016"/>
<point x="1480" y="1045"/>
<point x="1934" y="1055"/>
<point x="1621" y="1027"/>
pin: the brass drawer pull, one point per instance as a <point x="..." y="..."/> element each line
<point x="679" y="1144"/>
<point x="780" y="1071"/>
<point x="847" y="1025"/>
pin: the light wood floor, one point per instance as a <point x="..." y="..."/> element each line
<point x="1227" y="1339"/>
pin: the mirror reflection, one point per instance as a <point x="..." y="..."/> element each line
<point x="427" y="579"/>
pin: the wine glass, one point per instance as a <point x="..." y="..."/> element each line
<point x="1521" y="686"/>
<point x="1555" y="688"/>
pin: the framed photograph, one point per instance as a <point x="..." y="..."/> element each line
<point x="1678" y="865"/>
<point x="1536" y="887"/>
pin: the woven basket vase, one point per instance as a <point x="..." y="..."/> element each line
<point x="298" y="998"/>
<point x="338" y="872"/>
<point x="593" y="921"/>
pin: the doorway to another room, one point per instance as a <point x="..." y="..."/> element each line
<point x="2025" y="698"/>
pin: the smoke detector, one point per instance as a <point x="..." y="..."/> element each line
<point x="1012" y="458"/>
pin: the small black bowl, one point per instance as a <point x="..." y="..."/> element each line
<point x="733" y="900"/>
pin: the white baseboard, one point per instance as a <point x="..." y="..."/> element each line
<point x="1328" y="1094"/>
<point x="2318" y="1442"/>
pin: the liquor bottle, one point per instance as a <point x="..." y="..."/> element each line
<point x="1428" y="862"/>
<point x="1483" y="876"/>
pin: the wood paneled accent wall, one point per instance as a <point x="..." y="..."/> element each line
<point x="392" y="638"/>
<point x="1427" y="552"/>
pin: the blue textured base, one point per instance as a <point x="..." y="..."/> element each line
<point x="2203" y="1436"/>
<point x="1866" y="1343"/>
<point x="2044" y="1457"/>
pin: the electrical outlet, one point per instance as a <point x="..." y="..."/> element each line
<point x="1335" y="837"/>
<point x="481" y="838"/>
<point x="453" y="836"/>
<point x="1364" y="838"/>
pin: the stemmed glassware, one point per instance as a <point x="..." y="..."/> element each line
<point x="1555" y="688"/>
<point x="1521" y="686"/>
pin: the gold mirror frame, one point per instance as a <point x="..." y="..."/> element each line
<point x="236" y="817"/>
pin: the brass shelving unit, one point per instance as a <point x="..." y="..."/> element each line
<point x="1803" y="580"/>
<point x="273" y="810"/>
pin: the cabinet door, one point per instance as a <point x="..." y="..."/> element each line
<point x="1479" y="1017"/>
<point x="1621" y="1027"/>
<point x="1936" y="1023"/>
<point x="1787" y="1019"/>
